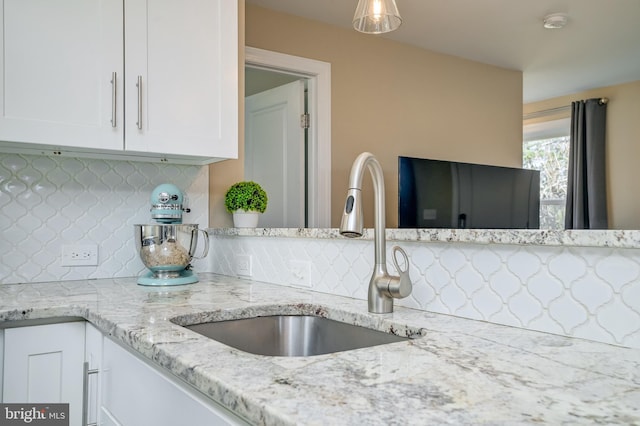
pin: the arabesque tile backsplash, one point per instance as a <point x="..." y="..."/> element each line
<point x="587" y="292"/>
<point x="47" y="202"/>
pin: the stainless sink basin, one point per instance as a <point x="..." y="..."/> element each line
<point x="292" y="335"/>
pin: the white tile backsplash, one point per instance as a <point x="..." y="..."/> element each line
<point x="46" y="202"/>
<point x="587" y="292"/>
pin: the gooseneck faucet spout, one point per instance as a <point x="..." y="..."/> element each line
<point x="383" y="288"/>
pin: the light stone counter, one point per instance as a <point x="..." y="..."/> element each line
<point x="460" y="372"/>
<point x="572" y="238"/>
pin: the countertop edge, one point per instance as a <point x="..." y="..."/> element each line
<point x="571" y="238"/>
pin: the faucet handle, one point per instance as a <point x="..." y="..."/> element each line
<point x="400" y="287"/>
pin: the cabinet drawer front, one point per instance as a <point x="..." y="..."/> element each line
<point x="135" y="393"/>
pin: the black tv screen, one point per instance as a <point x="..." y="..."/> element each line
<point x="447" y="194"/>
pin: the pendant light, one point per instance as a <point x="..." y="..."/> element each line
<point x="376" y="16"/>
<point x="555" y="21"/>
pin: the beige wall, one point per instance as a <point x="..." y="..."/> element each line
<point x="623" y="147"/>
<point x="393" y="99"/>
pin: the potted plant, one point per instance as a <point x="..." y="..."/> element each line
<point x="246" y="201"/>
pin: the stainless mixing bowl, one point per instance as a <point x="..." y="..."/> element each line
<point x="168" y="249"/>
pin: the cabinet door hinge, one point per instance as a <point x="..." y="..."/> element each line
<point x="304" y="121"/>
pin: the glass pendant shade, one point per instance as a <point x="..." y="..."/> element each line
<point x="376" y="16"/>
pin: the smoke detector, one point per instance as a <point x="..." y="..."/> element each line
<point x="555" y="20"/>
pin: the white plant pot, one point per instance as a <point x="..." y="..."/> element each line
<point x="243" y="219"/>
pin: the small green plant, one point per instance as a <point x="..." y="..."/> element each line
<point x="247" y="196"/>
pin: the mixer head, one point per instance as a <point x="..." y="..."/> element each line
<point x="166" y="204"/>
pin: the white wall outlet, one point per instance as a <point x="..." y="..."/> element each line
<point x="243" y="265"/>
<point x="80" y="255"/>
<point x="300" y="273"/>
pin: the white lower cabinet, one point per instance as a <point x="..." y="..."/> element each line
<point x="136" y="393"/>
<point x="44" y="364"/>
<point x="104" y="383"/>
<point x="92" y="376"/>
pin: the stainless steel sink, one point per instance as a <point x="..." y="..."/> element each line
<point x="292" y="335"/>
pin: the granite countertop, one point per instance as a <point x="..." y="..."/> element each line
<point x="459" y="372"/>
<point x="538" y="237"/>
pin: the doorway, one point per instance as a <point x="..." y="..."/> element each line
<point x="316" y="78"/>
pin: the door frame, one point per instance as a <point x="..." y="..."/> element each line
<point x="318" y="75"/>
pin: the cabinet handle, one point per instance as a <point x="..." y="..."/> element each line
<point x="113" y="99"/>
<point x="85" y="394"/>
<point x="139" y="86"/>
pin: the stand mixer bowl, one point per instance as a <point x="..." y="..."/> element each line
<point x="167" y="249"/>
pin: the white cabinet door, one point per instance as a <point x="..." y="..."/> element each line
<point x="136" y="394"/>
<point x="57" y="59"/>
<point x="93" y="368"/>
<point x="181" y="59"/>
<point x="44" y="364"/>
<point x="1" y="363"/>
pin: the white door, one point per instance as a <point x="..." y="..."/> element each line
<point x="182" y="77"/>
<point x="44" y="364"/>
<point x="274" y="152"/>
<point x="57" y="59"/>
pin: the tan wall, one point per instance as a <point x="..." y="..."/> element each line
<point x="393" y="99"/>
<point x="623" y="147"/>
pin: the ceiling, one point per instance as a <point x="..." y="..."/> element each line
<point x="600" y="45"/>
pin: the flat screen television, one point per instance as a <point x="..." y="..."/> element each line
<point x="447" y="194"/>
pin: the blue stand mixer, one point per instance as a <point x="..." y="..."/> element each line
<point x="168" y="246"/>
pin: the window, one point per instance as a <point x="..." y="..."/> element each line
<point x="546" y="148"/>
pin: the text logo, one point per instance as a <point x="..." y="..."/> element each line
<point x="34" y="414"/>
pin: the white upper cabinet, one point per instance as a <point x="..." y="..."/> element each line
<point x="180" y="54"/>
<point x="56" y="66"/>
<point x="146" y="79"/>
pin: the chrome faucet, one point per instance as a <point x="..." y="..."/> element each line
<point x="383" y="288"/>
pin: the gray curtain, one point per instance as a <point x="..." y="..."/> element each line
<point x="586" y="192"/>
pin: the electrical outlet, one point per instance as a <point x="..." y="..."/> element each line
<point x="300" y="273"/>
<point x="80" y="255"/>
<point x="243" y="265"/>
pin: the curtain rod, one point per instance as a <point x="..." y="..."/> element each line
<point x="546" y="112"/>
<point x="551" y="111"/>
